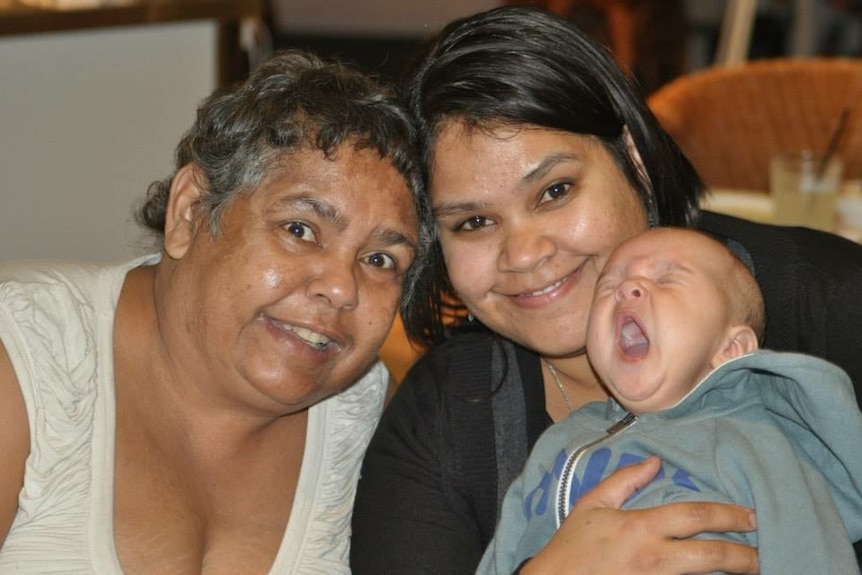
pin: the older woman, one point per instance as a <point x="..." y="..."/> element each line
<point x="542" y="158"/>
<point x="205" y="410"/>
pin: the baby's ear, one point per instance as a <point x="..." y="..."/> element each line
<point x="741" y="339"/>
<point x="183" y="215"/>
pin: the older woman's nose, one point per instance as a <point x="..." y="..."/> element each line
<point x="336" y="284"/>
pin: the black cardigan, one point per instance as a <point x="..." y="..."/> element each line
<point x="446" y="449"/>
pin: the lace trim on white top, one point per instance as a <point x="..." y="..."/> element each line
<point x="317" y="539"/>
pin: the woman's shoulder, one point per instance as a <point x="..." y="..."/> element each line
<point x="463" y="346"/>
<point x="71" y="276"/>
<point x="51" y="305"/>
<point x="462" y="363"/>
<point x="811" y="283"/>
<point x="50" y="301"/>
<point x="457" y="367"/>
<point x="47" y="271"/>
<point x="774" y="248"/>
<point x="467" y="376"/>
<point x="792" y="263"/>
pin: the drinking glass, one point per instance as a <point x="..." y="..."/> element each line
<point x="805" y="189"/>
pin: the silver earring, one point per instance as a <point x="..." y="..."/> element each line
<point x="470" y="317"/>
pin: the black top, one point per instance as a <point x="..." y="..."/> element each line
<point x="459" y="428"/>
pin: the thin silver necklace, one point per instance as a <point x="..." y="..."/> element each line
<point x="562" y="389"/>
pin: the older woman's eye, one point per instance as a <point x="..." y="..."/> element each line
<point x="382" y="261"/>
<point x="301" y="231"/>
<point x="555" y="192"/>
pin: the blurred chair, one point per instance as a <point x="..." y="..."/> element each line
<point x="729" y="121"/>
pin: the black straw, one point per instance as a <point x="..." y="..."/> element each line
<point x="833" y="142"/>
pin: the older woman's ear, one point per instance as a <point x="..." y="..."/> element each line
<point x="183" y="215"/>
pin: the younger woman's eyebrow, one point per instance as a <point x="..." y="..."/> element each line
<point x="541" y="170"/>
<point x="546" y="165"/>
<point x="455" y="208"/>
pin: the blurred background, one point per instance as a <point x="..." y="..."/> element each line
<point x="96" y="93"/>
<point x="656" y="39"/>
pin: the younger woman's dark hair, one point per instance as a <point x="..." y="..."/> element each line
<point x="295" y="100"/>
<point x="520" y="65"/>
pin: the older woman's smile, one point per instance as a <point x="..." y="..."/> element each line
<point x="314" y="339"/>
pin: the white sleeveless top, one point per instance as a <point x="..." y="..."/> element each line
<point x="56" y="321"/>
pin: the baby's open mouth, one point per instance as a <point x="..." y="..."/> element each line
<point x="633" y="340"/>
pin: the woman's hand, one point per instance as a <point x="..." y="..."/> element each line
<point x="598" y="537"/>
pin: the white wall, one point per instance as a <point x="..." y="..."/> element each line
<point x="372" y="17"/>
<point x="87" y="120"/>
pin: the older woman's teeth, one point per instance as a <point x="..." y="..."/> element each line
<point x="548" y="289"/>
<point x="312" y="338"/>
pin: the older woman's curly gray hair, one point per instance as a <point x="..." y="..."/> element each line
<point x="294" y="100"/>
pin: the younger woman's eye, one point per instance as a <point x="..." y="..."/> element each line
<point x="301" y="231"/>
<point x="555" y="192"/>
<point x="473" y="223"/>
<point x="381" y="260"/>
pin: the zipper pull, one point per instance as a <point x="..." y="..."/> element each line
<point x="626" y="421"/>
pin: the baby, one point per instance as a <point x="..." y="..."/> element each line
<point x="673" y="334"/>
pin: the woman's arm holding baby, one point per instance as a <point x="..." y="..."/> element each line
<point x="598" y="537"/>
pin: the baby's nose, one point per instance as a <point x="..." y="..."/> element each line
<point x="631" y="290"/>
